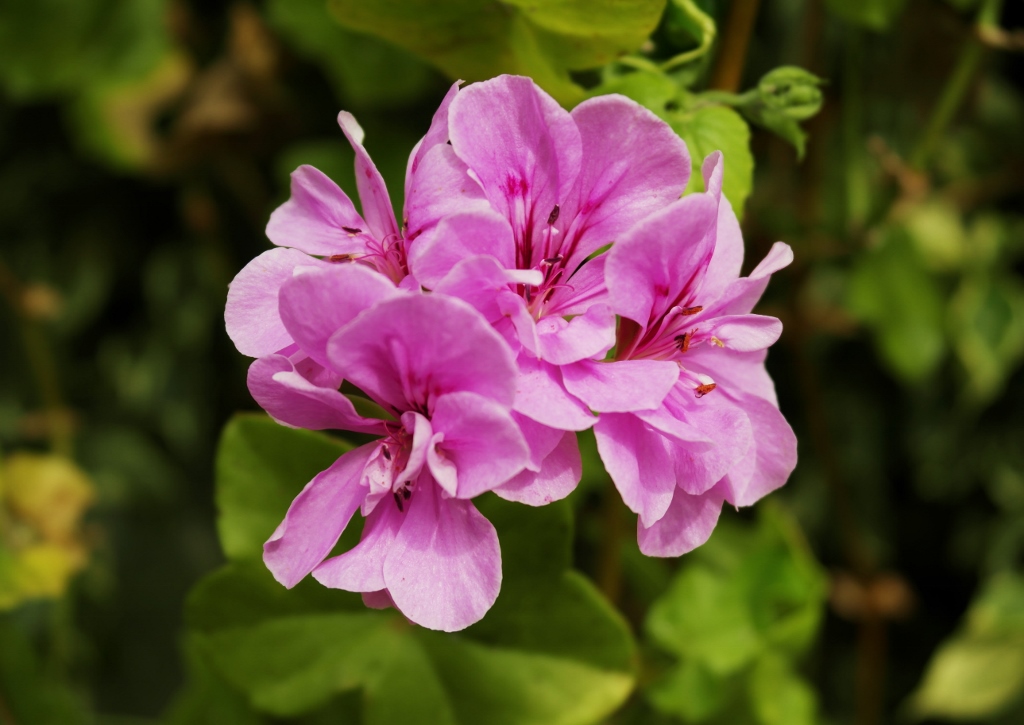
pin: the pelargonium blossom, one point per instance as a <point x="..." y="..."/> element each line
<point x="718" y="435"/>
<point x="447" y="381"/>
<point x="319" y="225"/>
<point x="560" y="187"/>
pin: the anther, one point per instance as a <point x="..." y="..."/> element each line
<point x="691" y="310"/>
<point x="353" y="230"/>
<point x="341" y="258"/>
<point x="703" y="390"/>
<point x="716" y="341"/>
<point x="553" y="216"/>
<point x="406" y="493"/>
<point x="386" y="452"/>
<point x="398" y="502"/>
<point x="553" y="260"/>
<point x="683" y="341"/>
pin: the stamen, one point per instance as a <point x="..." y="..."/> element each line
<point x="691" y="310"/>
<point x="553" y="216"/>
<point x="683" y="341"/>
<point x="386" y="452"/>
<point x="398" y="502"/>
<point x="341" y="258"/>
<point x="353" y="230"/>
<point x="703" y="390"/>
<point x="718" y="342"/>
<point x="553" y="260"/>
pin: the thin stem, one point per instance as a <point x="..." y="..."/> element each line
<point x="949" y="102"/>
<point x="732" y="55"/>
<point x="609" y="568"/>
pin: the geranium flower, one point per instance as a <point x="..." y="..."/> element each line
<point x="447" y="381"/>
<point x="718" y="435"/>
<point x="560" y="187"/>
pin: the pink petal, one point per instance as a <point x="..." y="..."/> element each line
<point x="443" y="570"/>
<point x="741" y="295"/>
<point x="481" y="439"/>
<point x="745" y="333"/>
<point x="639" y="461"/>
<point x="293" y="400"/>
<point x="541" y="395"/>
<point x="633" y="165"/>
<point x="556" y="467"/>
<point x="735" y="373"/>
<point x="378" y="600"/>
<point x="522" y="146"/>
<point x="316" y="518"/>
<point x="361" y="568"/>
<point x="409" y="350"/>
<point x="586" y="287"/>
<point x="774" y="453"/>
<point x="422" y="433"/>
<point x="318" y="218"/>
<point x="661" y="259"/>
<point x="620" y="387"/>
<point x="460" y="236"/>
<point x="314" y="305"/>
<point x="585" y="336"/>
<point x="436" y="135"/>
<point x="687" y="524"/>
<point x="373" y="194"/>
<point x="727" y="259"/>
<point x="441" y="187"/>
<point x="251" y="314"/>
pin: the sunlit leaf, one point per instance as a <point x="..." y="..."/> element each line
<point x="717" y="128"/>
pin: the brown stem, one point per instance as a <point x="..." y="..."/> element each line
<point x="871" y="653"/>
<point x="609" y="569"/>
<point x="6" y="716"/>
<point x="732" y="54"/>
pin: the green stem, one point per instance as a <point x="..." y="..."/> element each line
<point x="949" y="102"/>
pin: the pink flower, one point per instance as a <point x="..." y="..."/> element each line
<point x="319" y="225"/>
<point x="559" y="188"/>
<point x="447" y="379"/>
<point x="718" y="434"/>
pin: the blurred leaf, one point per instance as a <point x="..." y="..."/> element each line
<point x="783" y="98"/>
<point x="653" y="90"/>
<point x="261" y="467"/>
<point x="938" y="234"/>
<point x="779" y="696"/>
<point x="987" y="330"/>
<point x="892" y="292"/>
<point x="980" y="671"/>
<point x="365" y="71"/>
<point x="686" y="21"/>
<point x="874" y="14"/>
<point x="479" y="39"/>
<point x="31" y="694"/>
<point x="93" y="41"/>
<point x="746" y="601"/>
<point x="717" y="128"/>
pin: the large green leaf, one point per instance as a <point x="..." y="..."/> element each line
<point x="479" y="39"/>
<point x="718" y="128"/>
<point x="261" y="466"/>
<point x="551" y="650"/>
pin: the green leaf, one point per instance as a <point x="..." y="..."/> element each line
<point x="979" y="672"/>
<point x="717" y="128"/>
<point x="365" y="71"/>
<point x="31" y="694"/>
<point x="479" y="39"/>
<point x="690" y="691"/>
<point x="652" y="90"/>
<point x="551" y="650"/>
<point x="261" y="466"/>
<point x="874" y="14"/>
<point x="779" y="696"/>
<point x="783" y="98"/>
<point x="892" y="292"/>
<point x="684" y="20"/>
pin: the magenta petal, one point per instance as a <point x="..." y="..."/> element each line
<point x="639" y="461"/>
<point x="584" y="336"/>
<point x="458" y="237"/>
<point x="741" y="295"/>
<point x="774" y="452"/>
<point x="585" y="288"/>
<point x="440" y="187"/>
<point x="523" y="147"/>
<point x="373" y="194"/>
<point x="361" y="568"/>
<point x="735" y="372"/>
<point x="317" y="517"/>
<point x="481" y="439"/>
<point x="251" y="314"/>
<point x="314" y="305"/>
<point x="541" y="395"/>
<point x="409" y="350"/>
<point x="661" y="258"/>
<point x="633" y="164"/>
<point x="727" y="259"/>
<point x="623" y="386"/>
<point x="687" y="524"/>
<point x="436" y="135"/>
<point x="293" y="400"/>
<point x="558" y="467"/>
<point x="319" y="218"/>
<point x="745" y="333"/>
<point x="443" y="570"/>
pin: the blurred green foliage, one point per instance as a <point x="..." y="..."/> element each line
<point x="142" y="147"/>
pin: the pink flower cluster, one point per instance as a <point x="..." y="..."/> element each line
<point x="548" y="276"/>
